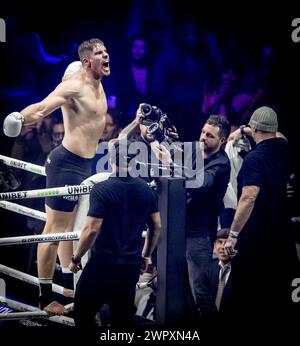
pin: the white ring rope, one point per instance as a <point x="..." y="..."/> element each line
<point x="32" y="312"/>
<point x="52" y="192"/>
<point x="20" y="209"/>
<point x="33" y="280"/>
<point x="40" y="238"/>
<point x="44" y="238"/>
<point x="30" y="167"/>
<point x="22" y="315"/>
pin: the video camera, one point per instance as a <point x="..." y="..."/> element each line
<point x="150" y="113"/>
<point x="153" y="118"/>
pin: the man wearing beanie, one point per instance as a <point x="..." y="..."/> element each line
<point x="263" y="264"/>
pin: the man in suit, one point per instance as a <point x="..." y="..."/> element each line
<point x="216" y="281"/>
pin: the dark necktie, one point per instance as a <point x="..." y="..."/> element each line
<point x="222" y="281"/>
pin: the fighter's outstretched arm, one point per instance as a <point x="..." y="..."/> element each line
<point x="13" y="123"/>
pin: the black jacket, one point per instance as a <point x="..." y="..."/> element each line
<point x="205" y="203"/>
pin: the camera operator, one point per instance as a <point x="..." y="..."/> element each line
<point x="137" y="132"/>
<point x="151" y="127"/>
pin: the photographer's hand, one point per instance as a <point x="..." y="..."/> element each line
<point x="133" y="128"/>
<point x="139" y="115"/>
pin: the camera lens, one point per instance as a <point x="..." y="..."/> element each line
<point x="152" y="128"/>
<point x="156" y="132"/>
<point x="146" y="109"/>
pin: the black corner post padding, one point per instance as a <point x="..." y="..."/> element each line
<point x="171" y="252"/>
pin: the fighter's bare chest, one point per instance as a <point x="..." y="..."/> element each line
<point x="96" y="107"/>
<point x="93" y="104"/>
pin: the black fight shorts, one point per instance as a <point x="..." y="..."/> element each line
<point x="64" y="168"/>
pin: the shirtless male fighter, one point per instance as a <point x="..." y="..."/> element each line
<point x="83" y="104"/>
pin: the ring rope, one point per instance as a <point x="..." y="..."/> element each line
<point x="20" y="209"/>
<point x="30" y="167"/>
<point x="32" y="280"/>
<point x="52" y="192"/>
<point x="40" y="238"/>
<point x="22" y="315"/>
<point x="44" y="238"/>
<point x="31" y="309"/>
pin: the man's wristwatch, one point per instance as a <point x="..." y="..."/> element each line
<point x="242" y="129"/>
<point x="74" y="261"/>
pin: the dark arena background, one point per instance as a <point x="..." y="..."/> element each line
<point x="195" y="50"/>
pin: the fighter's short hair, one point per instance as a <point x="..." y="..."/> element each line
<point x="87" y="46"/>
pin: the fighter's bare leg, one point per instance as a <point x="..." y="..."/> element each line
<point x="65" y="248"/>
<point x="57" y="222"/>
